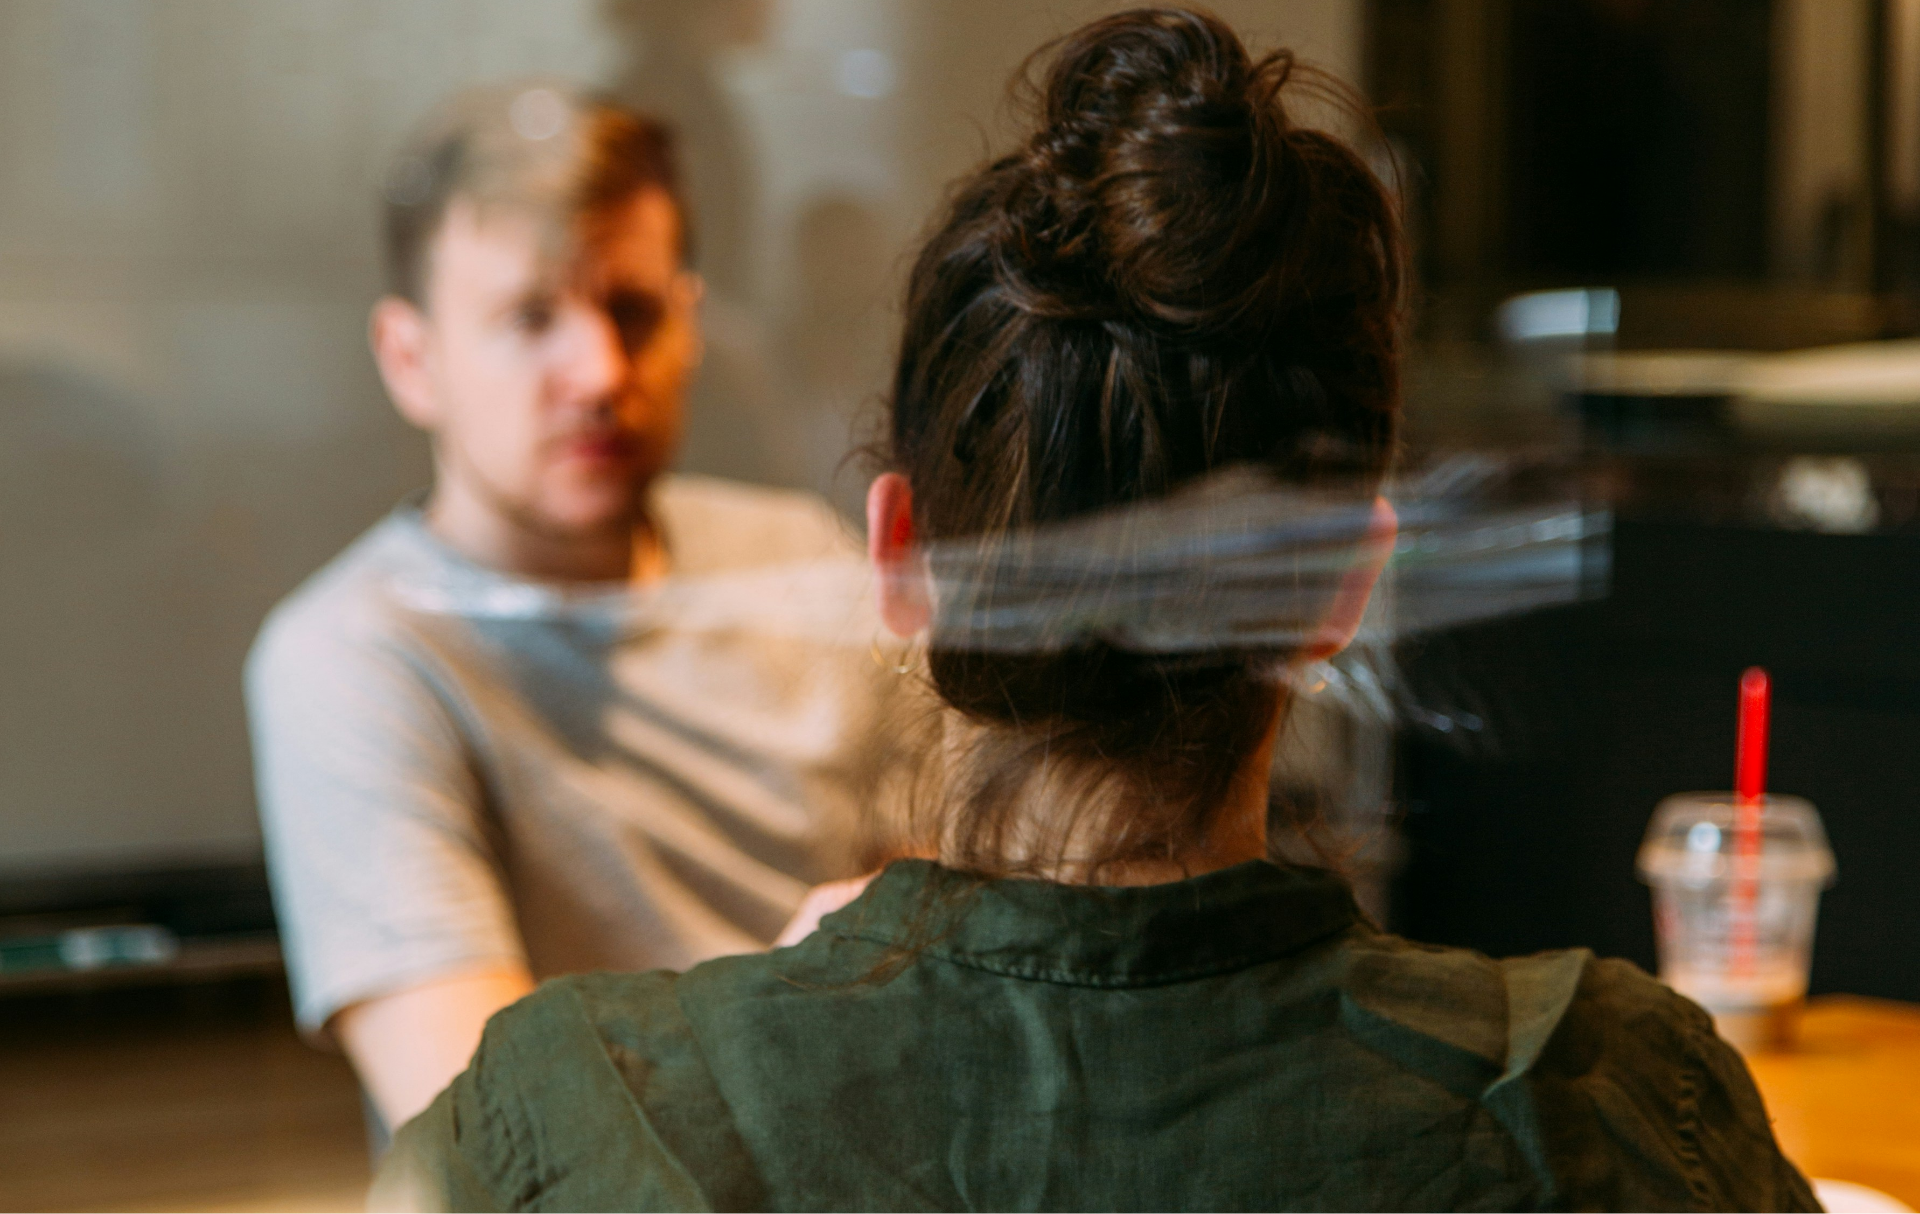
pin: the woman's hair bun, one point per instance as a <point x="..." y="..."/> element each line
<point x="1156" y="178"/>
<point x="1167" y="279"/>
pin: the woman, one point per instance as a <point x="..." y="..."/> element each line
<point x="1103" y="994"/>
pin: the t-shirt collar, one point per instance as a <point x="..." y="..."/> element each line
<point x="1100" y="935"/>
<point x="436" y="578"/>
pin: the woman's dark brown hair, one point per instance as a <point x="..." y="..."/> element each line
<point x="1170" y="277"/>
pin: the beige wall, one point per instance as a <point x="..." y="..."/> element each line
<point x="188" y="421"/>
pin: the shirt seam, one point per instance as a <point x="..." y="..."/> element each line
<point x="1067" y="977"/>
<point x="1687" y="1123"/>
<point x="524" y="1161"/>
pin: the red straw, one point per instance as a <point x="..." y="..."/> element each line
<point x="1750" y="782"/>
<point x="1750" y="776"/>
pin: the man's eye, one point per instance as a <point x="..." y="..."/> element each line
<point x="534" y="316"/>
<point x="636" y="315"/>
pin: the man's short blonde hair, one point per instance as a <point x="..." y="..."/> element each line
<point x="535" y="148"/>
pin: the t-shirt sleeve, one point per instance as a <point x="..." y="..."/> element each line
<point x="384" y="874"/>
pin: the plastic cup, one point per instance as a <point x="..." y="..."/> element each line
<point x="1735" y="933"/>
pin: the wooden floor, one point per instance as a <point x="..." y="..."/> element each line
<point x="191" y="1098"/>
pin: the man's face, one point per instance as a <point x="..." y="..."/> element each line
<point x="557" y="390"/>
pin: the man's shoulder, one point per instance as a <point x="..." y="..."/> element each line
<point x="715" y="524"/>
<point x="347" y="606"/>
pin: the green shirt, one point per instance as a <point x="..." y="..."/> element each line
<point x="1241" y="1040"/>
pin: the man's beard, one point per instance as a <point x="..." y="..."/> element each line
<point x="524" y="514"/>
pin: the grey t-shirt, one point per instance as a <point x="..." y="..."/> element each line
<point x="457" y="768"/>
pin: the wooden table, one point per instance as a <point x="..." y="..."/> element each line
<point x="1845" y="1099"/>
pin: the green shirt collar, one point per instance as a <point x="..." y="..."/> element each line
<point x="1100" y="935"/>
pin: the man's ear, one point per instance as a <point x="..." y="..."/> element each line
<point x="899" y="567"/>
<point x="693" y="288"/>
<point x="1342" y="624"/>
<point x="397" y="330"/>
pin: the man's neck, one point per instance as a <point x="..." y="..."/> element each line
<point x="493" y="537"/>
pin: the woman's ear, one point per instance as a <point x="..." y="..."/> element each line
<point x="899" y="567"/>
<point x="1342" y="624"/>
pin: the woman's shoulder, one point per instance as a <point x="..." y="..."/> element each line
<point x="590" y="1093"/>
<point x="1617" y="1091"/>
<point x="1507" y="1011"/>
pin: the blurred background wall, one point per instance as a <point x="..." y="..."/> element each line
<point x="1717" y="157"/>
<point x="189" y="420"/>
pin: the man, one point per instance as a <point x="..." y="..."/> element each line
<point x="498" y="738"/>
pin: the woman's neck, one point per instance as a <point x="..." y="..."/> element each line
<point x="1237" y="832"/>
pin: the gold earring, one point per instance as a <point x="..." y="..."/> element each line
<point x="880" y="660"/>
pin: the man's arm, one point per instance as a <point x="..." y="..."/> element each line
<point x="398" y="929"/>
<point x="409" y="1045"/>
<point x="821" y="901"/>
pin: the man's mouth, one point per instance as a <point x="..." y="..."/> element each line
<point x="608" y="447"/>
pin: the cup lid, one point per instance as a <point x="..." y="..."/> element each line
<point x="1691" y="840"/>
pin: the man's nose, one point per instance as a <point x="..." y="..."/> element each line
<point x="594" y="359"/>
